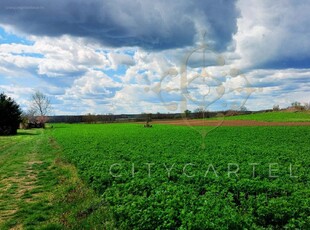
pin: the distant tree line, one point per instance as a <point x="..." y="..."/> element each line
<point x="295" y="106"/>
<point x="114" y="118"/>
<point x="109" y="118"/>
<point x="196" y="114"/>
<point x="11" y="116"/>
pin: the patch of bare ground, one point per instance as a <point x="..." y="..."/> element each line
<point x="34" y="162"/>
<point x="17" y="227"/>
<point x="23" y="183"/>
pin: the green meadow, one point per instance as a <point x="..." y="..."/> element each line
<point x="125" y="176"/>
<point x="273" y="116"/>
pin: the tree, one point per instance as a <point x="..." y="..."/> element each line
<point x="148" y="119"/>
<point x="90" y="118"/>
<point x="307" y="105"/>
<point x="243" y="108"/>
<point x="187" y="113"/>
<point x="297" y="105"/>
<point x="10" y="115"/>
<point x="24" y="121"/>
<point x="276" y="108"/>
<point x="200" y="112"/>
<point x="40" y="107"/>
<point x="30" y="115"/>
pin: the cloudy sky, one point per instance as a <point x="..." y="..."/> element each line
<point x="119" y="56"/>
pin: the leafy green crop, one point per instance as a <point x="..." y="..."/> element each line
<point x="162" y="178"/>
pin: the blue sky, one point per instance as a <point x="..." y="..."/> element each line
<point x="155" y="56"/>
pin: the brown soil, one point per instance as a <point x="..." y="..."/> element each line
<point x="229" y="123"/>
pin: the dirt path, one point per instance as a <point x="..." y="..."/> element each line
<point x="229" y="123"/>
<point x="40" y="191"/>
<point x="18" y="188"/>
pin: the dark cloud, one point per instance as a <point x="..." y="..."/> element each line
<point x="149" y="24"/>
<point x="285" y="63"/>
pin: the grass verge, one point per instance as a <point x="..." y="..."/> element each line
<point x="38" y="190"/>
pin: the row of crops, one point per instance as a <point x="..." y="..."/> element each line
<point x="245" y="177"/>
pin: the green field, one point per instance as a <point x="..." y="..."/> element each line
<point x="124" y="176"/>
<point x="140" y="174"/>
<point x="273" y="116"/>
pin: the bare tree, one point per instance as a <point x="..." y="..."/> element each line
<point x="307" y="105"/>
<point x="90" y="118"/>
<point x="297" y="105"/>
<point x="31" y="115"/>
<point x="276" y="108"/>
<point x="243" y="108"/>
<point x="200" y="112"/>
<point x="40" y="106"/>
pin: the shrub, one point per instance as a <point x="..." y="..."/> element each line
<point x="10" y="115"/>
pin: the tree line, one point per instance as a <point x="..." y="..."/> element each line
<point x="12" y="117"/>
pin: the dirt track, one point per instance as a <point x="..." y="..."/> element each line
<point x="229" y="123"/>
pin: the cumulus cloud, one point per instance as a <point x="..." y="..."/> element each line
<point x="78" y="53"/>
<point x="280" y="87"/>
<point x="52" y="57"/>
<point x="273" y="34"/>
<point x="20" y="93"/>
<point x="93" y="85"/>
<point x="147" y="24"/>
<point x="120" y="59"/>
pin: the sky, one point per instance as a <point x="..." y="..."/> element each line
<point x="140" y="56"/>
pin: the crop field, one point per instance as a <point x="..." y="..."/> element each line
<point x="273" y="116"/>
<point x="154" y="115"/>
<point x="169" y="177"/>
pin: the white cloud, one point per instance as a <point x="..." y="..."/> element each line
<point x="13" y="62"/>
<point x="278" y="87"/>
<point x="272" y="31"/>
<point x="117" y="59"/>
<point x="84" y="76"/>
<point x="61" y="56"/>
<point x="93" y="83"/>
<point x="19" y="93"/>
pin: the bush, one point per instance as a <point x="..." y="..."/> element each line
<point x="10" y="115"/>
